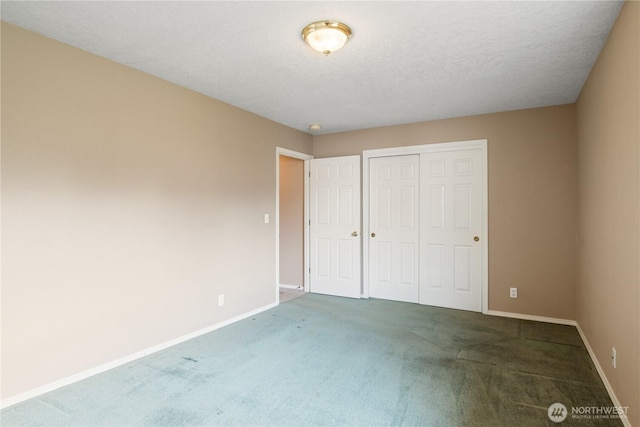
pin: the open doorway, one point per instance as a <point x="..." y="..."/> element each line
<point x="292" y="225"/>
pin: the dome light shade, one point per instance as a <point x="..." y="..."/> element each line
<point x="326" y="36"/>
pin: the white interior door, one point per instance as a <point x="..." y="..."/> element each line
<point x="394" y="224"/>
<point x="451" y="229"/>
<point x="335" y="253"/>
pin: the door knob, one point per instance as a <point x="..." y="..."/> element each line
<point x="476" y="239"/>
<point x="373" y="234"/>
<point x="354" y="234"/>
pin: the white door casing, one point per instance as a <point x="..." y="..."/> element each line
<point x="394" y="223"/>
<point x="450" y="247"/>
<point x="335" y="250"/>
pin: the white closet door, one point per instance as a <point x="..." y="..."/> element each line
<point x="335" y="255"/>
<point x="394" y="220"/>
<point x="450" y="236"/>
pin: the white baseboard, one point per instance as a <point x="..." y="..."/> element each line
<point x="531" y="317"/>
<point x="118" y="362"/>
<point x="592" y="355"/>
<point x="603" y="377"/>
<point x="282" y="285"/>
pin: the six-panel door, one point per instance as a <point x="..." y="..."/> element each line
<point x="335" y="255"/>
<point x="394" y="220"/>
<point x="451" y="225"/>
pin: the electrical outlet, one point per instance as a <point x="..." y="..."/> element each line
<point x="513" y="292"/>
<point x="613" y="357"/>
<point x="220" y="300"/>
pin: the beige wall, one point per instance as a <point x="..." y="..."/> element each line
<point x="608" y="295"/>
<point x="128" y="205"/>
<point x="291" y="221"/>
<point x="532" y="198"/>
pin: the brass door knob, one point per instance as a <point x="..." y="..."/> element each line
<point x="354" y="234"/>
<point x="373" y="234"/>
<point x="476" y="239"/>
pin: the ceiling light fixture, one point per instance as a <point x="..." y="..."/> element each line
<point x="314" y="127"/>
<point x="326" y="36"/>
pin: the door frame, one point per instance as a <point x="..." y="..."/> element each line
<point x="480" y="144"/>
<point x="306" y="158"/>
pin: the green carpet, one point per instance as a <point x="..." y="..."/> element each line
<point x="319" y="360"/>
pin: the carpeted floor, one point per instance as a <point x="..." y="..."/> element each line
<point x="320" y="360"/>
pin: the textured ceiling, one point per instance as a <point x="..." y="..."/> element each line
<point x="407" y="61"/>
